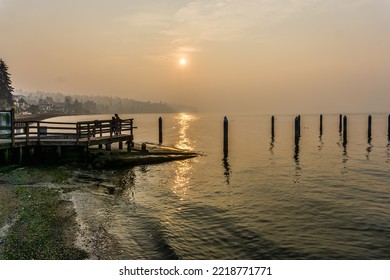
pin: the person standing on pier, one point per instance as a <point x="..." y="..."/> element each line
<point x="118" y="124"/>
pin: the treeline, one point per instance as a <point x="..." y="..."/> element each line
<point x="84" y="104"/>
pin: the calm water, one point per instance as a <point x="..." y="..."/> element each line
<point x="265" y="200"/>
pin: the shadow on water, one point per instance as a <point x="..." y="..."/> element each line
<point x="345" y="158"/>
<point x="343" y="146"/>
<point x="369" y="147"/>
<point x="297" y="175"/>
<point x="272" y="145"/>
<point x="321" y="142"/>
<point x="227" y="169"/>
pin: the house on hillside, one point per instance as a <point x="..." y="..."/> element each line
<point x="20" y="104"/>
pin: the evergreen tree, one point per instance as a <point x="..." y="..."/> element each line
<point x="5" y="86"/>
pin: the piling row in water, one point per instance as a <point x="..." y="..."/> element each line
<point x="343" y="129"/>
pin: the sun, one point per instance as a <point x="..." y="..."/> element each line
<point x="182" y="61"/>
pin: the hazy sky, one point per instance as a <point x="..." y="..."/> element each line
<point x="266" y="56"/>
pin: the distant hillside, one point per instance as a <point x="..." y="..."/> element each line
<point x="96" y="104"/>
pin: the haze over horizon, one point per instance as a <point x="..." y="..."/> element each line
<point x="280" y="56"/>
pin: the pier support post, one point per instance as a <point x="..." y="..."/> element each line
<point x="160" y="134"/>
<point x="143" y="148"/>
<point x="225" y="134"/>
<point x="6" y="155"/>
<point x="272" y="126"/>
<point x="120" y="145"/>
<point x="369" y="126"/>
<point x="321" y="125"/>
<point x="31" y="152"/>
<point x="108" y="147"/>
<point x="59" y="151"/>
<point x="129" y="144"/>
<point x="20" y="155"/>
<point x="345" y="130"/>
<point x="340" y="123"/>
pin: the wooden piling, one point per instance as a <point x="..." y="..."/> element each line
<point x="13" y="127"/>
<point x="388" y="127"/>
<point x="272" y="126"/>
<point x="369" y="126"/>
<point x="120" y="145"/>
<point x="345" y="130"/>
<point x="225" y="134"/>
<point x="340" y="122"/>
<point x="296" y="130"/>
<point x="321" y="126"/>
<point x="160" y="133"/>
<point x="108" y="147"/>
<point x="299" y="125"/>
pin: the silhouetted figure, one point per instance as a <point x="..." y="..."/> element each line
<point x="113" y="126"/>
<point x="117" y="124"/>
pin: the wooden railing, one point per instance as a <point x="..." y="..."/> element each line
<point x="39" y="130"/>
<point x="101" y="128"/>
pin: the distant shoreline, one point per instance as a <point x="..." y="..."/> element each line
<point x="38" y="117"/>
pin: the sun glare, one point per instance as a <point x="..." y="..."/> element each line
<point x="182" y="61"/>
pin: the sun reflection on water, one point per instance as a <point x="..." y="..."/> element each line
<point x="184" y="121"/>
<point x="183" y="168"/>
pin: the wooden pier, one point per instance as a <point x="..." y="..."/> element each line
<point x="23" y="138"/>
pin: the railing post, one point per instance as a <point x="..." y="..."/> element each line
<point x="100" y="133"/>
<point x="88" y="133"/>
<point x="77" y="132"/>
<point x="131" y="129"/>
<point x="13" y="127"/>
<point x="112" y="123"/>
<point x="27" y="131"/>
<point x="38" y="133"/>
